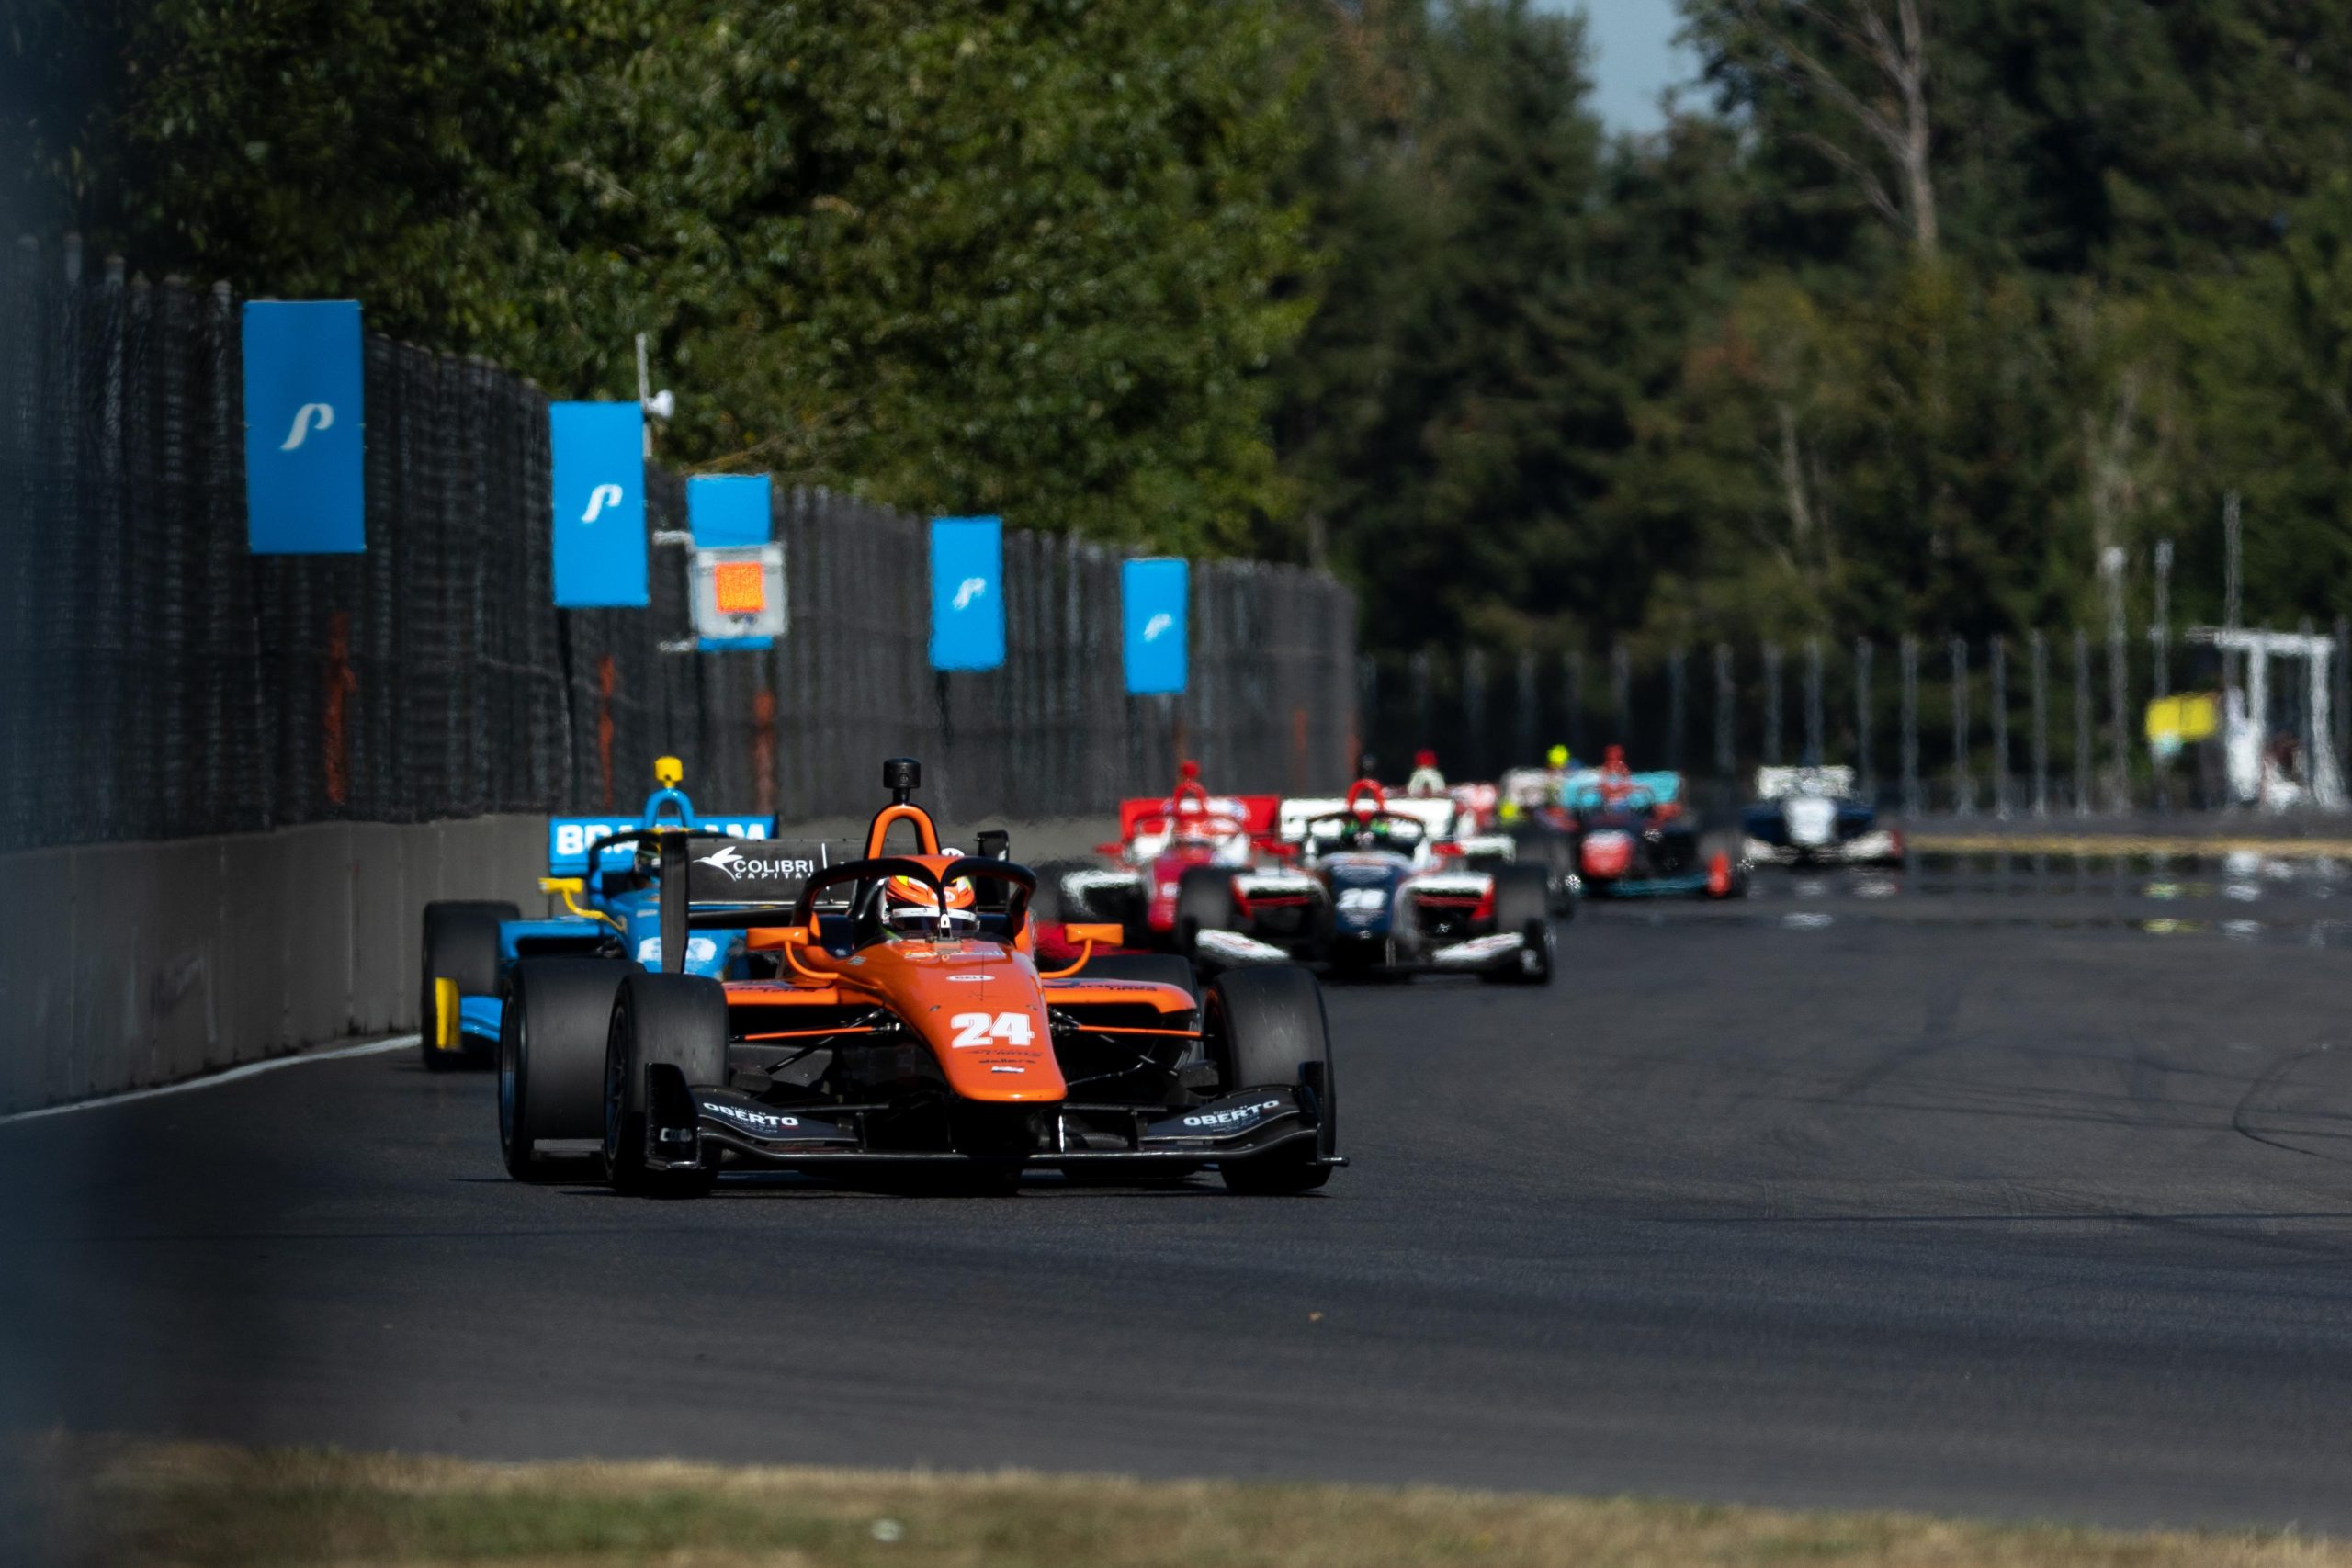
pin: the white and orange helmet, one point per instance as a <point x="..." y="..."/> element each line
<point x="911" y="908"/>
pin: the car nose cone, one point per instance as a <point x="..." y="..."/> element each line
<point x="1608" y="854"/>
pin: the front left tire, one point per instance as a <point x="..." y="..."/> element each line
<point x="668" y="1034"/>
<point x="551" y="1043"/>
<point x="1266" y="1029"/>
<point x="1204" y="902"/>
<point x="1523" y="904"/>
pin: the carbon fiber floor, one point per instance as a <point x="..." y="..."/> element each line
<point x="1889" y="1205"/>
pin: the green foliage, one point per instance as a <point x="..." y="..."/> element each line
<point x="1451" y="410"/>
<point x="1023" y="257"/>
<point x="1899" y="331"/>
<point x="1725" y="381"/>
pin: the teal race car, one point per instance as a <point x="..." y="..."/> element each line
<point x="606" y="870"/>
<point x="1636" y="838"/>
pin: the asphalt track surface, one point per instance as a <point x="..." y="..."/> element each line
<point x="1992" y="1200"/>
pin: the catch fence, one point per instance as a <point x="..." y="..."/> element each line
<point x="2044" y="725"/>
<point x="158" y="681"/>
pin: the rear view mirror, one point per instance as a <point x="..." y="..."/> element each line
<point x="1106" y="935"/>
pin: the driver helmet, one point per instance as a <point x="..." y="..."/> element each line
<point x="1425" y="780"/>
<point x="911" y="909"/>
<point x="1616" y="778"/>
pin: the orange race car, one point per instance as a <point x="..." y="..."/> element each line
<point x="891" y="1020"/>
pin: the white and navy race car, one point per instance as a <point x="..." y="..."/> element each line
<point x="1374" y="883"/>
<point x="1812" y="816"/>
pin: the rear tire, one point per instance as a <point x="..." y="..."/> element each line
<point x="1266" y="1029"/>
<point x="1523" y="904"/>
<point x="1204" y="902"/>
<point x="1556" y="854"/>
<point x="551" y="1056"/>
<point x="1726" y="868"/>
<point x="668" y="1033"/>
<point x="461" y="945"/>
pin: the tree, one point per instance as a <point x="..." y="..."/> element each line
<point x="1865" y="65"/>
<point x="1465" y="381"/>
<point x="1020" y="257"/>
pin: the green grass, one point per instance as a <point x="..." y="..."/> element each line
<point x="108" y="1501"/>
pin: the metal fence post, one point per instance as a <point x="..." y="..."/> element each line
<point x="2119" y="674"/>
<point x="1572" y="698"/>
<point x="1908" y="652"/>
<point x="2038" y="648"/>
<point x="2306" y="721"/>
<point x="1812" y="756"/>
<point x="2083" y="764"/>
<point x="2342" y="676"/>
<point x="1963" y="791"/>
<point x="1523" y="730"/>
<point x="2160" y="686"/>
<point x="1865" y="775"/>
<point x="1771" y="705"/>
<point x="1673" y="709"/>
<point x="1998" y="674"/>
<point x="1620" y="693"/>
<point x="1473" y="760"/>
<point x="1423" y="700"/>
<point x="1726" y="762"/>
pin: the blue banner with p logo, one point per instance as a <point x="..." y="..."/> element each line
<point x="1154" y="597"/>
<point x="967" y="592"/>
<point x="306" y="488"/>
<point x="727" y="509"/>
<point x="600" y="542"/>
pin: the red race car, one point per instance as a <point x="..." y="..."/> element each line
<point x="1160" y="839"/>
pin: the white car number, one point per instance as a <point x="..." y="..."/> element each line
<point x="991" y="1028"/>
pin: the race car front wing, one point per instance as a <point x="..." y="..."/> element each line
<point x="1498" y="951"/>
<point x="1880" y="846"/>
<point x="1234" y="1127"/>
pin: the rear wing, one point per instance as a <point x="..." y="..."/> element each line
<point x="1582" y="789"/>
<point x="1254" y="812"/>
<point x="1435" y="815"/>
<point x="1780" y="782"/>
<point x="571" y="837"/>
<point x="735" y="871"/>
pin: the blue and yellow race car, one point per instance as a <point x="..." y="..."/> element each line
<point x="607" y="872"/>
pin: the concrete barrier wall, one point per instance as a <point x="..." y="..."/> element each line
<point x="126" y="965"/>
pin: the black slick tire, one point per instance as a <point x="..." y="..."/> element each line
<point x="1523" y="904"/>
<point x="461" y="945"/>
<point x="668" y="1033"/>
<point x="1556" y="854"/>
<point x="1204" y="902"/>
<point x="1266" y="1029"/>
<point x="551" y="1044"/>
